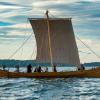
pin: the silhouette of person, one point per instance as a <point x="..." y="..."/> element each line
<point x="54" y="68"/>
<point x="29" y="68"/>
<point x="39" y="69"/>
<point x="4" y="66"/>
<point x="36" y="69"/>
<point x="82" y="66"/>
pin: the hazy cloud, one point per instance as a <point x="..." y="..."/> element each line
<point x="15" y="26"/>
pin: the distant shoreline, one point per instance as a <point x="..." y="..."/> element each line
<point x="23" y="63"/>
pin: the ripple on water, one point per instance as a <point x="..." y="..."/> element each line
<point x="50" y="89"/>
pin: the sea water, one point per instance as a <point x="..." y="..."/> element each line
<point x="49" y="89"/>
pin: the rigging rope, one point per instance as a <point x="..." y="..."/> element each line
<point x="25" y="40"/>
<point x="25" y="34"/>
<point x="88" y="47"/>
<point x="83" y="43"/>
<point x="32" y="53"/>
<point x="20" y="47"/>
<point x="85" y="52"/>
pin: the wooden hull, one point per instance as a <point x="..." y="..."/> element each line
<point x="93" y="73"/>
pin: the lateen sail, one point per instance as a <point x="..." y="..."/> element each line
<point x="63" y="44"/>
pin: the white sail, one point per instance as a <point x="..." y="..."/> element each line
<point x="63" y="44"/>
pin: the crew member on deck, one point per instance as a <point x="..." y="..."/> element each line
<point x="82" y="66"/>
<point x="29" y="68"/>
<point x="17" y="68"/>
<point x="54" y="68"/>
<point x="4" y="66"/>
<point x="35" y="70"/>
<point x="39" y="69"/>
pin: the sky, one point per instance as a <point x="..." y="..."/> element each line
<point x="15" y="27"/>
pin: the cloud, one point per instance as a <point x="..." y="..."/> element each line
<point x="9" y="7"/>
<point x="20" y="26"/>
<point x="14" y="26"/>
<point x="5" y="23"/>
<point x="46" y="3"/>
<point x="91" y="0"/>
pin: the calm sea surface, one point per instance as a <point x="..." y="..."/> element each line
<point x="50" y="89"/>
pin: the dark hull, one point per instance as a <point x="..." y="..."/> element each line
<point x="94" y="73"/>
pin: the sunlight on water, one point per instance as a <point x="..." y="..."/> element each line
<point x="50" y="89"/>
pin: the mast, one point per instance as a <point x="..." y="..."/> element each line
<point x="58" y="45"/>
<point x="49" y="38"/>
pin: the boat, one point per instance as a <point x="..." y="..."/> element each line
<point x="56" y="44"/>
<point x="91" y="73"/>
